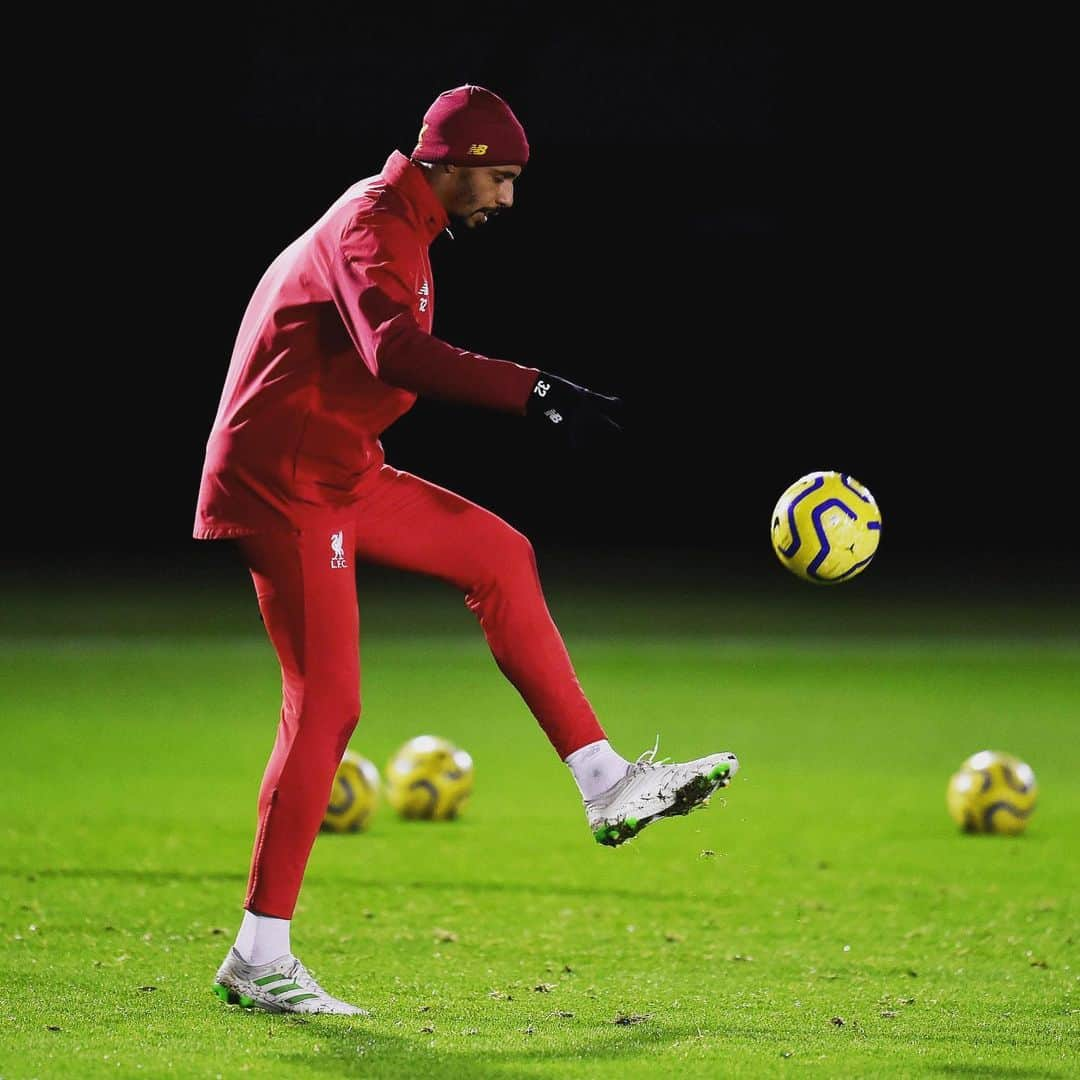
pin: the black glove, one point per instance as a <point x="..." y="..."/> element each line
<point x="581" y="416"/>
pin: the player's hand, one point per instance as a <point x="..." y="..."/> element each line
<point x="581" y="417"/>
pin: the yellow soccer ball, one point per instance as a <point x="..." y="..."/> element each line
<point x="354" y="796"/>
<point x="826" y="527"/>
<point x="992" y="793"/>
<point x="429" y="778"/>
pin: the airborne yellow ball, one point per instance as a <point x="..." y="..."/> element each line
<point x="826" y="527"/>
<point x="992" y="792"/>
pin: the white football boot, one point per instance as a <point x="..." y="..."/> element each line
<point x="655" y="789"/>
<point x="281" y="986"/>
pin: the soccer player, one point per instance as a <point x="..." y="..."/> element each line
<point x="336" y="344"/>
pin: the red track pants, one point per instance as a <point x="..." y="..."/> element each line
<point x="306" y="586"/>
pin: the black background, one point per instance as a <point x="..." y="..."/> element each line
<point x="788" y="245"/>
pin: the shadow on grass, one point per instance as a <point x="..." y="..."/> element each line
<point x="389" y="1057"/>
<point x="995" y="1071"/>
<point x="531" y="888"/>
<point x="392" y="1057"/>
<point x="142" y="877"/>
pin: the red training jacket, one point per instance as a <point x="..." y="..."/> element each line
<point x="335" y="345"/>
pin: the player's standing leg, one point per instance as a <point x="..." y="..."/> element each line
<point x="408" y="523"/>
<point x="306" y="587"/>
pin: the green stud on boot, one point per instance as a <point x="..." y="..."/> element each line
<point x="231" y="997"/>
<point x="613" y="835"/>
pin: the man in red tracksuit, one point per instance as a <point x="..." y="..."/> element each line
<point x="336" y="343"/>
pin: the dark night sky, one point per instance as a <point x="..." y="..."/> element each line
<point x="788" y="246"/>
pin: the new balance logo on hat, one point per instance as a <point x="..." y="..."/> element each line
<point x="479" y="149"/>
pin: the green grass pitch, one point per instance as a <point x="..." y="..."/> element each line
<point x="822" y="918"/>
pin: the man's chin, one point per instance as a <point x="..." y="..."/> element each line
<point x="467" y="221"/>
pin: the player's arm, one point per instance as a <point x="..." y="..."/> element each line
<point x="376" y="303"/>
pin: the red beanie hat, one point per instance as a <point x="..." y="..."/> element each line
<point x="471" y="126"/>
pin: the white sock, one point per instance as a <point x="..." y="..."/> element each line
<point x="596" y="767"/>
<point x="262" y="938"/>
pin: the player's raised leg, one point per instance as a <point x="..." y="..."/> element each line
<point x="306" y="587"/>
<point x="409" y="523"/>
